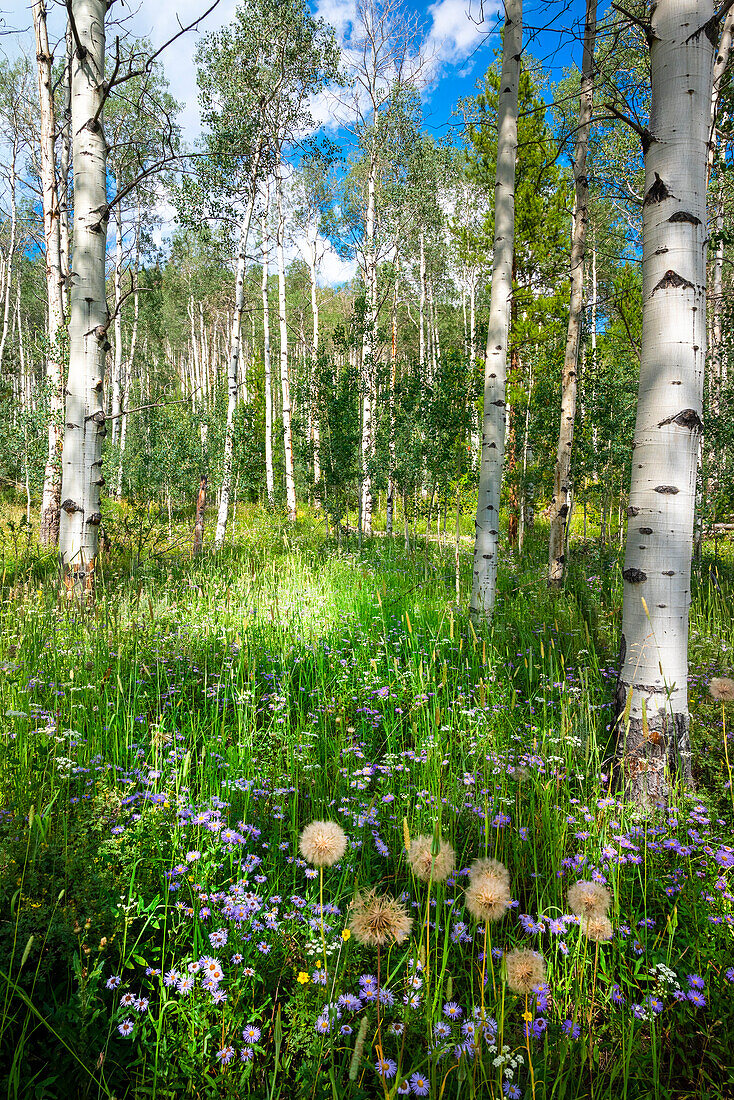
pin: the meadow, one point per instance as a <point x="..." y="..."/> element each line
<point x="162" y="933"/>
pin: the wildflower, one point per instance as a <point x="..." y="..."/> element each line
<point x="696" y="998"/>
<point x="452" y="1010"/>
<point x="350" y="1002"/>
<point x="420" y="1085"/>
<point x="303" y="978"/>
<point x="184" y="986"/>
<point x="696" y="981"/>
<point x="524" y="970"/>
<point x="346" y="1029"/>
<point x="386" y="1067"/>
<point x="617" y="997"/>
<point x="171" y="977"/>
<point x="721" y="688"/>
<point x="597" y="927"/>
<point x="323" y="843"/>
<point x="247" y="1054"/>
<point x="377" y="920"/>
<point x="219" y="996"/>
<point x="126" y="1028"/>
<point x="236" y="958"/>
<point x="511" y="1091"/>
<point x="251" y="1034"/>
<point x="212" y="968"/>
<point x="403" y="1088"/>
<point x="588" y="899"/>
<point x="441" y="1030"/>
<point x="425" y="864"/>
<point x="141" y="1004"/>
<point x="218" y="938"/>
<point x="571" y="1029"/>
<point x="729" y="974"/>
<point x="113" y="981"/>
<point x="488" y="894"/>
<point x="127" y="1000"/>
<point x="346" y="934"/>
<point x="323" y="1027"/>
<point x="225" y="1055"/>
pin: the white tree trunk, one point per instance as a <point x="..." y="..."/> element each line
<point x="486" y="546"/>
<point x="88" y="344"/>
<point x="652" y="696"/>
<point x="234" y="356"/>
<point x="285" y="386"/>
<point x="422" y="306"/>
<point x="369" y="348"/>
<point x="315" y="346"/>
<point x="269" y="478"/>
<point x="560" y="501"/>
<point x="11" y="247"/>
<point x="118" y="349"/>
<point x="55" y="232"/>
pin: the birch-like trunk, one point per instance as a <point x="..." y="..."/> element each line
<point x="560" y="501"/>
<point x="234" y="356"/>
<point x="285" y="386"/>
<point x="8" y="284"/>
<point x="368" y="349"/>
<point x="652" y="696"/>
<point x="55" y="232"/>
<point x="85" y="419"/>
<point x="116" y="407"/>
<point x="62" y="184"/>
<point x="486" y="546"/>
<point x="422" y="306"/>
<point x="269" y="478"/>
<point x="315" y="346"/>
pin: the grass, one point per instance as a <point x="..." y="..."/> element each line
<point x="162" y="753"/>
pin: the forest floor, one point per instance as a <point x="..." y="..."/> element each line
<point x="161" y="934"/>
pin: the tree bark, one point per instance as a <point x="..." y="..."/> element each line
<point x="484" y="586"/>
<point x="85" y="419"/>
<point x="652" y="697"/>
<point x="269" y="479"/>
<point x="234" y="355"/>
<point x="285" y="386"/>
<point x="200" y="511"/>
<point x="559" y="508"/>
<point x="368" y="348"/>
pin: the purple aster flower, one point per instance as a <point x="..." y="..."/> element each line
<point x="570" y="1029"/>
<point x="696" y="998"/>
<point x="420" y="1085"/>
<point x="386" y="1067"/>
<point x="695" y="981"/>
<point x="251" y="1034"/>
<point x="452" y="1010"/>
<point x="113" y="981"/>
<point x="126" y="1028"/>
<point x="225" y="1055"/>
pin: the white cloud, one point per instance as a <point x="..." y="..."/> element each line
<point x="458" y="27"/>
<point x="334" y="271"/>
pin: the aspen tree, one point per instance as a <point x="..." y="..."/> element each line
<point x="652" y="689"/>
<point x="484" y="586"/>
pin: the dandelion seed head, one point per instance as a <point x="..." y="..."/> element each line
<point x="426" y="866"/>
<point x="378" y="919"/>
<point x="588" y="899"/>
<point x="597" y="927"/>
<point x="323" y="843"/>
<point x="721" y="688"/>
<point x="524" y="970"/>
<point x="488" y="896"/>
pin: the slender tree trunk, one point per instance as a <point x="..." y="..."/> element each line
<point x="234" y="356"/>
<point x="559" y="508"/>
<point x="54" y="220"/>
<point x="390" y="502"/>
<point x="422" y="306"/>
<point x="11" y="247"/>
<point x="285" y="386"/>
<point x="127" y="367"/>
<point x="369" y="342"/>
<point x="486" y="547"/>
<point x="88" y="343"/>
<point x="200" y="512"/>
<point x="315" y="347"/>
<point x="63" y="179"/>
<point x="269" y="479"/>
<point x="524" y="495"/>
<point x="118" y="349"/>
<point x="652" y="696"/>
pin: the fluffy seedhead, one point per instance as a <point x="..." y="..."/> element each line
<point x="489" y="866"/>
<point x="524" y="970"/>
<point x="597" y="928"/>
<point x="426" y="866"/>
<point x="721" y="688"/>
<point x="488" y="895"/>
<point x="322" y="843"/>
<point x="589" y="899"/>
<point x="378" y="919"/>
